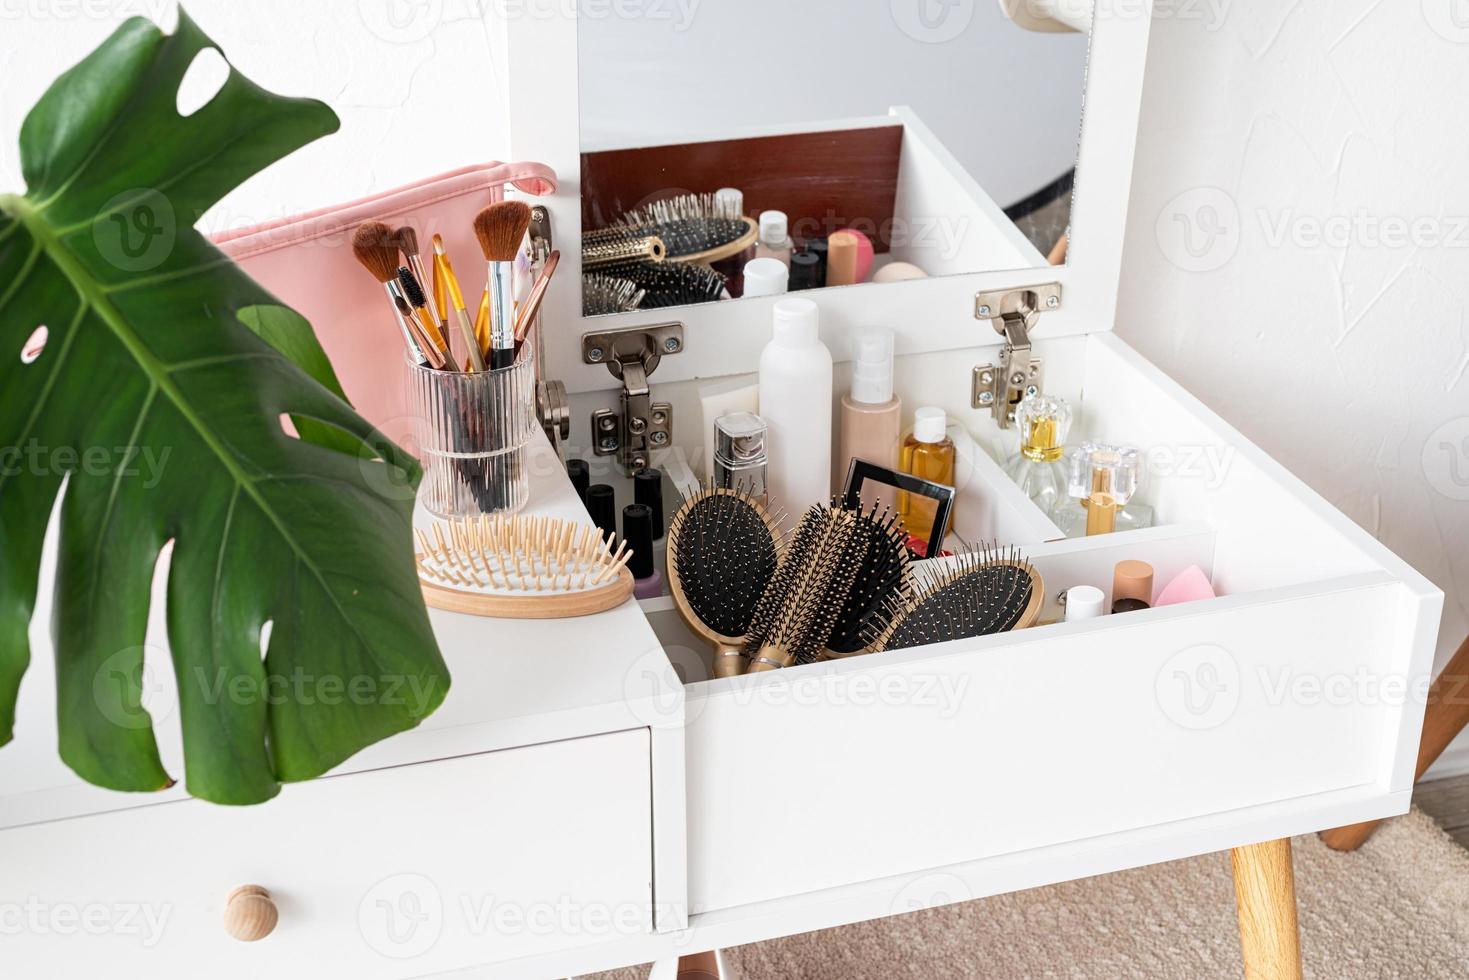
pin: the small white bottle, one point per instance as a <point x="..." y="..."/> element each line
<point x="775" y="238"/>
<point x="795" y="401"/>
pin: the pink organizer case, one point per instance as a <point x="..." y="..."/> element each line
<point x="306" y="261"/>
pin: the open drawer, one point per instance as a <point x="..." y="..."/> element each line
<point x="1296" y="693"/>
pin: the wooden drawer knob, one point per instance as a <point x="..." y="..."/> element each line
<point x="249" y="913"/>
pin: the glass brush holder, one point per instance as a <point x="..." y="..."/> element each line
<point x="1103" y="480"/>
<point x="1044" y="422"/>
<point x="472" y="430"/>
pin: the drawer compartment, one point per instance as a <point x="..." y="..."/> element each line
<point x="1296" y="682"/>
<point x="403" y="871"/>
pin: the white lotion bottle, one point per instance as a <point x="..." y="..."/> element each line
<point x="795" y="402"/>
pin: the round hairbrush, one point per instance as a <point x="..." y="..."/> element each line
<point x="694" y="228"/>
<point x="723" y="550"/>
<point x="794" y="618"/>
<point x="977" y="593"/>
<point x="884" y="582"/>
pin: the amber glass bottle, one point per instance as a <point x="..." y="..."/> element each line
<point x="928" y="453"/>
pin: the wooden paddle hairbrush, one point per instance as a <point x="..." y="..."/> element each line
<point x="723" y="549"/>
<point x="794" y="618"/>
<point x="884" y="582"/>
<point x="521" y="568"/>
<point x="976" y="593"/>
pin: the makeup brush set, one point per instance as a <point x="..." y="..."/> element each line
<point x="471" y="380"/>
<point x="842" y="583"/>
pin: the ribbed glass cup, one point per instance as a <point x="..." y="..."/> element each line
<point x="472" y="432"/>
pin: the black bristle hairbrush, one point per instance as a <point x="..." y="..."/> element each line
<point x="604" y="294"/>
<point x="723" y="550"/>
<point x="976" y="593"/>
<point x="675" y="284"/>
<point x="794" y="618"/>
<point x="692" y="227"/>
<point x="884" y="582"/>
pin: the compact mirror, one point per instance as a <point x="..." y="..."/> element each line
<point x="734" y="148"/>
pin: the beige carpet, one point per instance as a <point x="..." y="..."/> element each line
<point x="1399" y="907"/>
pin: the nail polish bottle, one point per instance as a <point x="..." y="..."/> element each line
<point x="637" y="531"/>
<point x="807" y="272"/>
<point x="581" y="477"/>
<point x="1043" y="421"/>
<point x="1132" y="586"/>
<point x="1101" y="482"/>
<point x="647" y="488"/>
<point x="602" y="505"/>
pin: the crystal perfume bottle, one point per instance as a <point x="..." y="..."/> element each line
<point x="1102" y="482"/>
<point x="1043" y="421"/>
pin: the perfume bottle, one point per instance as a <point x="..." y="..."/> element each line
<point x="1043" y="421"/>
<point x="928" y="453"/>
<point x="1101" y="482"/>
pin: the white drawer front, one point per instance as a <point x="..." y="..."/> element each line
<point x="399" y="872"/>
<point x="887" y="765"/>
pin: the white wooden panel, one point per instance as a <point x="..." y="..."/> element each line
<point x="386" y="874"/>
<point x="886" y="765"/>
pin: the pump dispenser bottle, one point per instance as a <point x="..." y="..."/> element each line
<point x="872" y="416"/>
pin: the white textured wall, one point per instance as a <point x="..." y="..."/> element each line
<point x="1316" y="151"/>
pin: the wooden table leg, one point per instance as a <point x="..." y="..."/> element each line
<point x="1446" y="715"/>
<point x="1265" y="889"/>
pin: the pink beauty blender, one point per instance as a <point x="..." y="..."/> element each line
<point x="865" y="254"/>
<point x="1190" y="585"/>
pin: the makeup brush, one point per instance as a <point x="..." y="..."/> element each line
<point x="501" y="229"/>
<point x="375" y="247"/>
<point x="977" y="593"/>
<point x="526" y="318"/>
<point x="601" y="295"/>
<point x="408" y="244"/>
<point x="723" y="548"/>
<point x="456" y="297"/>
<point x="413" y="293"/>
<point x="795" y="615"/>
<point x="884" y="582"/>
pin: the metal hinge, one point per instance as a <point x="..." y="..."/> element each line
<point x="541" y="242"/>
<point x="639" y="425"/>
<point x="1014" y="312"/>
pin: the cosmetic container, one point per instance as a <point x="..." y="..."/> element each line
<point x="637" y="531"/>
<point x="1038" y="469"/>
<point x="472" y="431"/>
<point x="647" y="488"/>
<point x="807" y="272"/>
<point x="870" y="427"/>
<point x="740" y="459"/>
<point x="602" y="506"/>
<point x="1084" y="602"/>
<point x="795" y="402"/>
<point x="928" y="453"/>
<point x="1101" y="483"/>
<point x="724" y="398"/>
<point x="1132" y="587"/>
<point x="580" y="475"/>
<point x="766" y="277"/>
<point x="775" y="238"/>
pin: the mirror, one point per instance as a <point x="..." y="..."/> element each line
<point x="734" y="148"/>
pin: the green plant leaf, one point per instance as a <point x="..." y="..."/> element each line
<point x="158" y="400"/>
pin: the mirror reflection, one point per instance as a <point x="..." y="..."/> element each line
<point x="735" y="148"/>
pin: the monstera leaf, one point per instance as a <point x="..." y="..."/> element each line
<point x="296" y="627"/>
